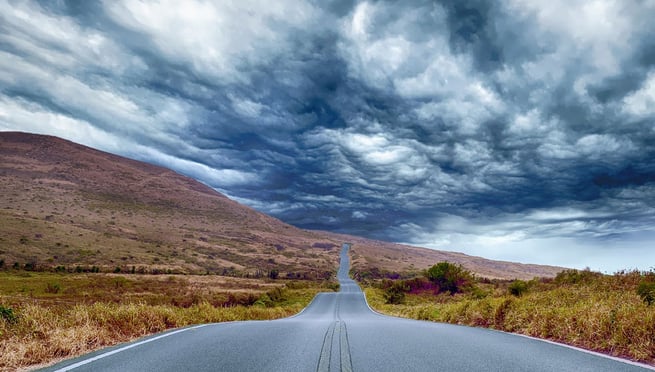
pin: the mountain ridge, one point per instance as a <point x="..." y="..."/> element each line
<point x="67" y="204"/>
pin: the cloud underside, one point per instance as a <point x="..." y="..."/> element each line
<point x="477" y="123"/>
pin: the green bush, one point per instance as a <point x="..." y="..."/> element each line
<point x="450" y="277"/>
<point x="573" y="276"/>
<point x="7" y="314"/>
<point x="264" y="301"/>
<point x="395" y="293"/>
<point x="646" y="290"/>
<point x="518" y="288"/>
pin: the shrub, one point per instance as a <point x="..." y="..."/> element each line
<point x="421" y="284"/>
<point x="518" y="288"/>
<point x="7" y="314"/>
<point x="646" y="290"/>
<point x="478" y="293"/>
<point x="450" y="277"/>
<point x="60" y="269"/>
<point x="573" y="276"/>
<point x="53" y="288"/>
<point x="264" y="301"/>
<point x="395" y="293"/>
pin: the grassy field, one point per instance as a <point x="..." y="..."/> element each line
<point x="45" y="317"/>
<point x="597" y="312"/>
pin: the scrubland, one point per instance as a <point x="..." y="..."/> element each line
<point x="605" y="313"/>
<point x="45" y="317"/>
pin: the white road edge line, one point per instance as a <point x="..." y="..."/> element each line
<point x="618" y="359"/>
<point x="104" y="355"/>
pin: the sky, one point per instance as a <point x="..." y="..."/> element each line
<point x="519" y="130"/>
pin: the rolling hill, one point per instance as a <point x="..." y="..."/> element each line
<point x="69" y="206"/>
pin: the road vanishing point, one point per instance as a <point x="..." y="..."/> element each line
<point x="340" y="332"/>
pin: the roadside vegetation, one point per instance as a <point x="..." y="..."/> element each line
<point x="45" y="317"/>
<point x="613" y="314"/>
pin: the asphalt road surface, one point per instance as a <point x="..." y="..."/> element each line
<point x="339" y="332"/>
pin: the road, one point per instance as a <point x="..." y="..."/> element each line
<point x="339" y="332"/>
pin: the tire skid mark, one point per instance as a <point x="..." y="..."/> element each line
<point x="326" y="349"/>
<point x="344" y="346"/>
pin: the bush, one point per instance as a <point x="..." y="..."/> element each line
<point x="395" y="293"/>
<point x="450" y="277"/>
<point x="573" y="276"/>
<point x="53" y="288"/>
<point x="518" y="288"/>
<point x="646" y="290"/>
<point x="421" y="284"/>
<point x="60" y="269"/>
<point x="7" y="314"/>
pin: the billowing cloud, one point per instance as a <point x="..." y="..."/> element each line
<point x="516" y="130"/>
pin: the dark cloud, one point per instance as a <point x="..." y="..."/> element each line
<point x="500" y="129"/>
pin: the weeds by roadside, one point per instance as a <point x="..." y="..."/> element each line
<point x="42" y="320"/>
<point x="598" y="312"/>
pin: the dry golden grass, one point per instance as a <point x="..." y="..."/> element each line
<point x="46" y="333"/>
<point x="604" y="314"/>
<point x="91" y="311"/>
<point x="66" y="204"/>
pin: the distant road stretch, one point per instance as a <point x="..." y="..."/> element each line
<point x="339" y="332"/>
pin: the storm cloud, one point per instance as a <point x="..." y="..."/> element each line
<point x="520" y="130"/>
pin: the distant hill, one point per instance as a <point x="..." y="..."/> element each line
<point x="67" y="205"/>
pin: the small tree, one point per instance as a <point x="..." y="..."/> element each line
<point x="450" y="277"/>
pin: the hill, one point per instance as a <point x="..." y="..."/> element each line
<point x="69" y="206"/>
<point x="378" y="257"/>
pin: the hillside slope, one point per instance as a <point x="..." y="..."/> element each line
<point x="64" y="204"/>
<point x="67" y="204"/>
